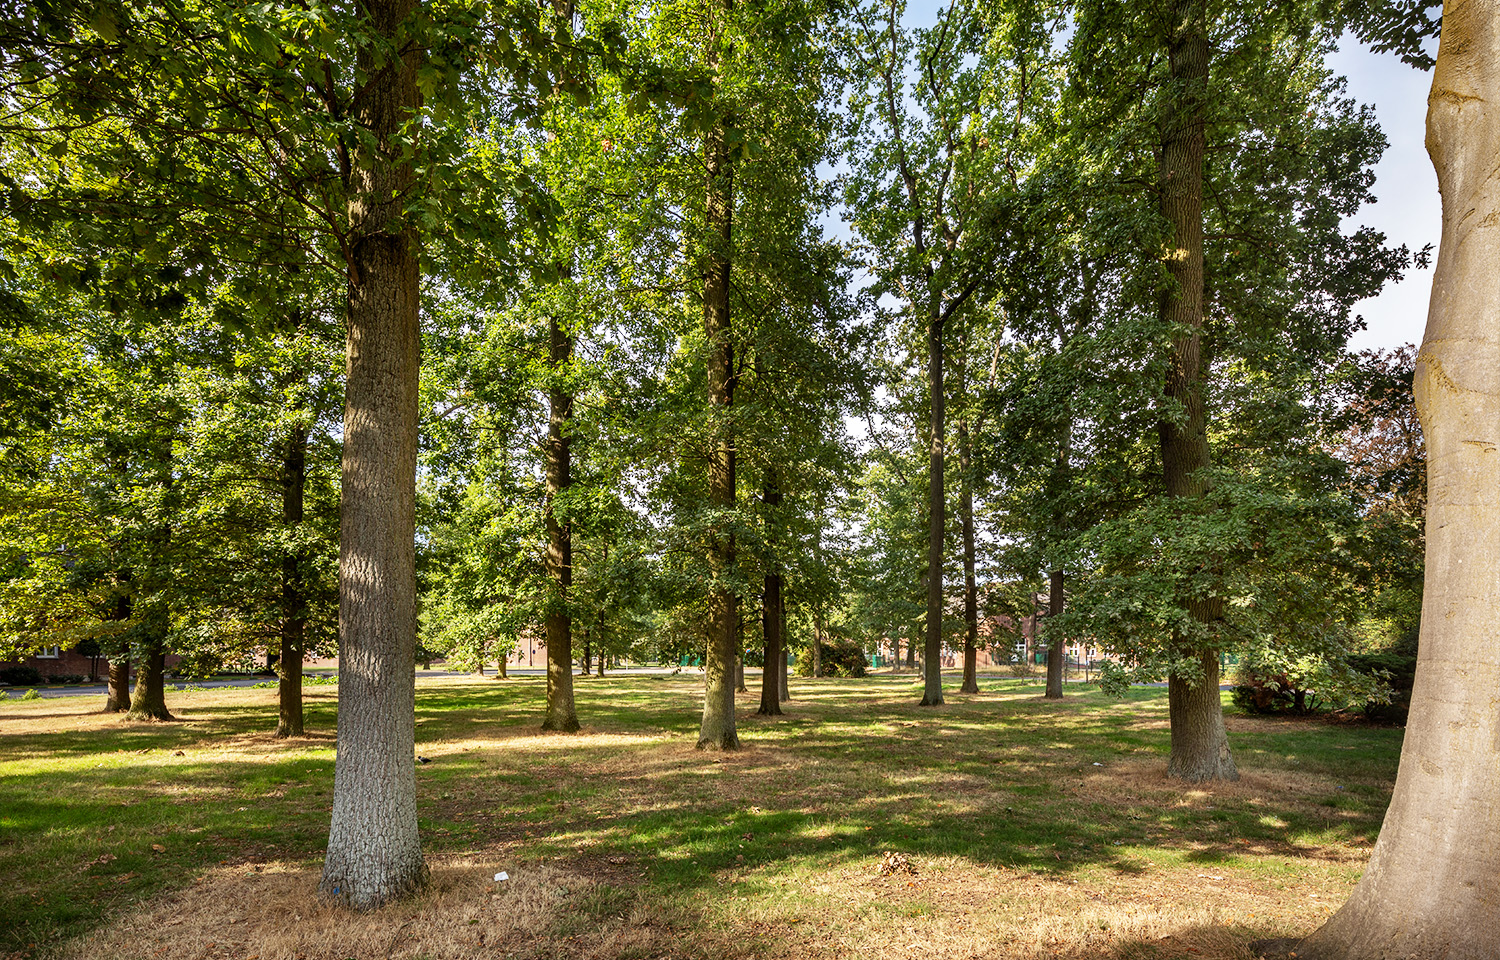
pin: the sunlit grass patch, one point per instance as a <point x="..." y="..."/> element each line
<point x="1036" y="828"/>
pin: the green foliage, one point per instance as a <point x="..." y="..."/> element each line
<point x="20" y="676"/>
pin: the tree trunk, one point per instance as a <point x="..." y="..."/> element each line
<point x="118" y="698"/>
<point x="293" y="593"/>
<point x="502" y="665"/>
<point x="781" y="661"/>
<point x="932" y="650"/>
<point x="561" y="713"/>
<point x="1056" y="649"/>
<point x="775" y="656"/>
<point x="149" y="700"/>
<point x="1432" y="888"/>
<point x="374" y="854"/>
<point x="817" y="647"/>
<point x="718" y="728"/>
<point x="1200" y="748"/>
<point x="971" y="590"/>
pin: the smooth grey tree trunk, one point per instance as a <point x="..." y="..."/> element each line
<point x="561" y="714"/>
<point x="1200" y="746"/>
<point x="1432" y="888"/>
<point x="374" y="854"/>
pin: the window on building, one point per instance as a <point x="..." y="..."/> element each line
<point x="49" y="653"/>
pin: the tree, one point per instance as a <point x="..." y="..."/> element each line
<point x="1431" y="887"/>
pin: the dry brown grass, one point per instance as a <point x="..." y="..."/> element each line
<point x="1024" y="849"/>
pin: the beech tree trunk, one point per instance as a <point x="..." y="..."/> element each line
<point x="293" y="593"/>
<point x="374" y="854"/>
<point x="1056" y="649"/>
<point x="1432" y="888"/>
<point x="1200" y="747"/>
<point x="971" y="590"/>
<point x="718" y="727"/>
<point x="561" y="714"/>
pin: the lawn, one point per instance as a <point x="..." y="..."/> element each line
<point x="1032" y="828"/>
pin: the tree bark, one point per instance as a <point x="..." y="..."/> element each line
<point x="293" y="592"/>
<point x="118" y="698"/>
<point x="717" y="730"/>
<point x="932" y="650"/>
<point x="1200" y="747"/>
<point x="501" y="671"/>
<point x="149" y="699"/>
<point x="1432" y="888"/>
<point x="775" y="657"/>
<point x="374" y="854"/>
<point x="1056" y="649"/>
<point x="971" y="590"/>
<point x="561" y="713"/>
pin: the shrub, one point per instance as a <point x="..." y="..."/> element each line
<point x="1399" y="666"/>
<point x="1271" y="681"/>
<point x="65" y="678"/>
<point x="841" y="658"/>
<point x="20" y="676"/>
<point x="31" y="695"/>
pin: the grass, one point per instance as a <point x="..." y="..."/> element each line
<point x="1037" y="829"/>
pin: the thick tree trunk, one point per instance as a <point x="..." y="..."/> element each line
<point x="971" y="591"/>
<point x="374" y="854"/>
<point x="501" y="671"/>
<point x="293" y="592"/>
<point x="1200" y="748"/>
<point x="932" y="649"/>
<point x="718" y="728"/>
<point x="561" y="714"/>
<point x="1056" y="649"/>
<point x="149" y="700"/>
<point x="118" y="698"/>
<point x="1432" y="888"/>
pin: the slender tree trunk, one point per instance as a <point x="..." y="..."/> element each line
<point x="781" y="661"/>
<point x="971" y="590"/>
<point x="718" y="728"/>
<point x="775" y="656"/>
<point x="932" y="650"/>
<point x="293" y="593"/>
<point x="817" y="647"/>
<point x="1200" y="747"/>
<point x="561" y="713"/>
<point x="1432" y="888"/>
<point x="1056" y="649"/>
<point x="374" y="854"/>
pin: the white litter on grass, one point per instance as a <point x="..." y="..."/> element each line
<point x="502" y="875"/>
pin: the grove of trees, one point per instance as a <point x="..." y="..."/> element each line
<point x="734" y="330"/>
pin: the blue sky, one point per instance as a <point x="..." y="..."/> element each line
<point x="1408" y="210"/>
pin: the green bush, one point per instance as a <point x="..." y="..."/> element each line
<point x="1270" y="680"/>
<point x="20" y="676"/>
<point x="66" y="678"/>
<point x="1399" y="666"/>
<point x="840" y="658"/>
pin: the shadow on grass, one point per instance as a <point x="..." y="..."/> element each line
<point x="997" y="782"/>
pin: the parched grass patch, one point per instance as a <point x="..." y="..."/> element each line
<point x="1036" y="828"/>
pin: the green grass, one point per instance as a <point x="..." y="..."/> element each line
<point x="1000" y="781"/>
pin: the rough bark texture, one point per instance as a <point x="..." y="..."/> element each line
<point x="718" y="728"/>
<point x="1056" y="649"/>
<point x="149" y="699"/>
<point x="971" y="591"/>
<point x="771" y="678"/>
<point x="561" y="713"/>
<point x="1432" y="889"/>
<point x="293" y="593"/>
<point x="118" y="698"/>
<point x="932" y="650"/>
<point x="374" y="854"/>
<point x="1200" y="748"/>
